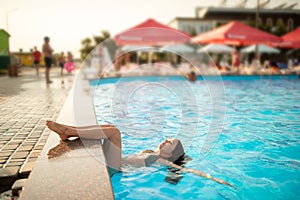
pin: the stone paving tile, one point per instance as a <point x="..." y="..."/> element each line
<point x="25" y="148"/>
<point x="26" y="102"/>
<point x="8" y="172"/>
<point x="8" y="175"/>
<point x="27" y="167"/>
<point x="20" y="154"/>
<point x="14" y="164"/>
<point x="18" y="186"/>
<point x="10" y="147"/>
<point x="6" y="153"/>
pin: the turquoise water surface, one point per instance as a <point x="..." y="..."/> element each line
<point x="242" y="129"/>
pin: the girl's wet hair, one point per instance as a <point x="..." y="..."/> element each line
<point x="175" y="175"/>
<point x="175" y="153"/>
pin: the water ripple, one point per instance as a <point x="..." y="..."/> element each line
<point x="258" y="149"/>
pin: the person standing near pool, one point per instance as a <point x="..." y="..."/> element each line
<point x="36" y="59"/>
<point x="47" y="50"/>
<point x="191" y="76"/>
<point x="61" y="62"/>
<point x="235" y="59"/>
<point x="167" y="153"/>
<point x="69" y="66"/>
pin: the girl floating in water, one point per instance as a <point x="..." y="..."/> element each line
<point x="167" y="153"/>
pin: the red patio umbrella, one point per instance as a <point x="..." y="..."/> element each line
<point x="151" y="32"/>
<point x="236" y="33"/>
<point x="291" y="39"/>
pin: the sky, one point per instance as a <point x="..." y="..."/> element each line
<point x="68" y="22"/>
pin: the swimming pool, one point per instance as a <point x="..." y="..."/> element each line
<point x="257" y="150"/>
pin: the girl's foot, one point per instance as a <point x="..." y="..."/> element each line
<point x="63" y="132"/>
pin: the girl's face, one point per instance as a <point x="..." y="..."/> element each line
<point x="170" y="149"/>
<point x="166" y="148"/>
<point x="165" y="144"/>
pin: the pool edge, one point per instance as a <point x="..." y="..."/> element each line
<point x="58" y="178"/>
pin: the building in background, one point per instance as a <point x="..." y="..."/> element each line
<point x="193" y="26"/>
<point x="25" y="58"/>
<point x="277" y="19"/>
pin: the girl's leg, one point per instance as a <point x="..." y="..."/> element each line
<point x="47" y="71"/>
<point x="87" y="132"/>
<point x="112" y="139"/>
<point x="112" y="149"/>
<point x="86" y="127"/>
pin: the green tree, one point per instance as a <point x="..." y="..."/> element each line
<point x="89" y="44"/>
<point x="100" y="38"/>
<point x="193" y="32"/>
<point x="280" y="28"/>
<point x="86" y="47"/>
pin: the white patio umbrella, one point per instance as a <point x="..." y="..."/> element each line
<point x="261" y="49"/>
<point x="216" y="48"/>
<point x="178" y="48"/>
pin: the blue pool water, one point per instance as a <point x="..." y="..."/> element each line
<point x="250" y="124"/>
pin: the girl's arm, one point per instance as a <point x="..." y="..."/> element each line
<point x="194" y="171"/>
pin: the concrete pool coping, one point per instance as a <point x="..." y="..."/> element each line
<point x="77" y="173"/>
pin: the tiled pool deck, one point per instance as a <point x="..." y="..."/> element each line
<point x="26" y="102"/>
